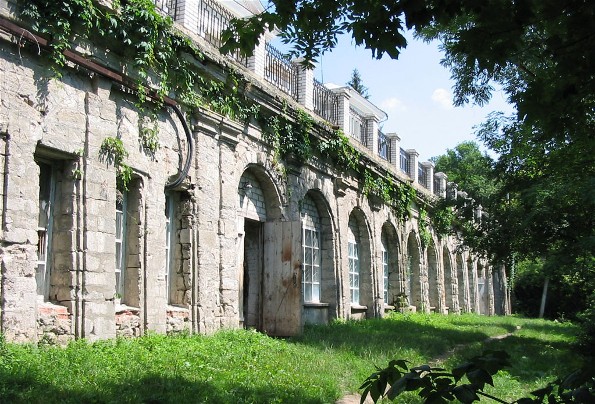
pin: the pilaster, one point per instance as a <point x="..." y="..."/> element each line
<point x="394" y="142"/>
<point x="343" y="118"/>
<point x="413" y="163"/>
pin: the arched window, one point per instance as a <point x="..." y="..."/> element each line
<point x="385" y="268"/>
<point x="311" y="265"/>
<point x="353" y="249"/>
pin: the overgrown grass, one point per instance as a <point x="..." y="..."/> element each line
<point x="247" y="367"/>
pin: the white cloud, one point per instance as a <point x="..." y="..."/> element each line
<point x="393" y="104"/>
<point x="443" y="98"/>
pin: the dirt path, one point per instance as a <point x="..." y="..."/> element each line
<point x="437" y="361"/>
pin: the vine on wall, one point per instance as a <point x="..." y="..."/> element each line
<point x="135" y="29"/>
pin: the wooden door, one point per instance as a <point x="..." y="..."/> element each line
<point x="282" y="278"/>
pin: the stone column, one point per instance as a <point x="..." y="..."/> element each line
<point x="18" y="250"/>
<point x="256" y="62"/>
<point x="452" y="191"/>
<point x="413" y="160"/>
<point x="441" y="177"/>
<point x="372" y="134"/>
<point x="99" y="189"/>
<point x="394" y="142"/>
<point x="154" y="255"/>
<point x="343" y="118"/>
<point x="305" y="85"/>
<point x="187" y="14"/>
<point x="428" y="181"/>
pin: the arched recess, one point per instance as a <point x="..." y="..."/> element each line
<point x="472" y="279"/>
<point x="463" y="285"/>
<point x="482" y="288"/>
<point x="319" y="281"/>
<point x="413" y="269"/>
<point x="389" y="258"/>
<point x="269" y="253"/>
<point x="361" y="282"/>
<point x="452" y="303"/>
<point x="433" y="278"/>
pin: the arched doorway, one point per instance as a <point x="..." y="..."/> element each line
<point x="269" y="257"/>
<point x="452" y="304"/>
<point x="361" y="281"/>
<point x="413" y="272"/>
<point x="389" y="256"/>
<point x="253" y="215"/>
<point x="463" y="285"/>
<point x="482" y="289"/>
<point x="433" y="279"/>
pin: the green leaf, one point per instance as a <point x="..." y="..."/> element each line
<point x="479" y="377"/>
<point x="465" y="394"/>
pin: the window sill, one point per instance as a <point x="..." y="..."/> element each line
<point x="315" y="304"/>
<point x="357" y="307"/>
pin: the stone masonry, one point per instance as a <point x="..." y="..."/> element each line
<point x="226" y="248"/>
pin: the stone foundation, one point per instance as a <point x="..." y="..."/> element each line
<point x="128" y="322"/>
<point x="54" y="324"/>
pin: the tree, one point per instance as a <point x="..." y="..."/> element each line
<point x="542" y="54"/>
<point x="471" y="170"/>
<point x="357" y="84"/>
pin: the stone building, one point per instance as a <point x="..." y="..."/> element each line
<point x="212" y="230"/>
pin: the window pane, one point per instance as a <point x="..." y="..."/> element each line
<point x="119" y="216"/>
<point x="315" y="241"/>
<point x="316" y="292"/>
<point x="308" y="237"/>
<point x="118" y="256"/>
<point x="316" y="257"/>
<point x="307" y="273"/>
<point x="308" y="256"/>
<point x="307" y="293"/>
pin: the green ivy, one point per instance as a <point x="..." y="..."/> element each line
<point x="423" y="226"/>
<point x="112" y="151"/>
<point x="161" y="56"/>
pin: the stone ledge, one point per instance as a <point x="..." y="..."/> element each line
<point x="316" y="305"/>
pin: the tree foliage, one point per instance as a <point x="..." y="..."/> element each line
<point x="466" y="383"/>
<point x="357" y="84"/>
<point x="541" y="53"/>
<point x="470" y="169"/>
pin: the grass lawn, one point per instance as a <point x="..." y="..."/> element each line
<point x="247" y="367"/>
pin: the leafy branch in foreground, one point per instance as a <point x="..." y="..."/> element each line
<point x="436" y="385"/>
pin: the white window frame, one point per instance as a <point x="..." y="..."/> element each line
<point x="120" y="256"/>
<point x="311" y="264"/>
<point x="385" y="269"/>
<point x="354" y="271"/>
<point x="44" y="233"/>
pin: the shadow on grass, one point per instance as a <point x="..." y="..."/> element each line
<point x="390" y="336"/>
<point x="567" y="330"/>
<point x="532" y="358"/>
<point x="149" y="389"/>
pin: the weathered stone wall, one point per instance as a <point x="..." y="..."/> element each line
<point x="63" y="122"/>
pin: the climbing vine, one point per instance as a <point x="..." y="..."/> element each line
<point x="112" y="151"/>
<point x="163" y="63"/>
<point x="398" y="196"/>
<point x="423" y="226"/>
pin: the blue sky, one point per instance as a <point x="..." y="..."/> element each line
<point x="415" y="91"/>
